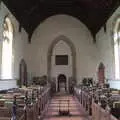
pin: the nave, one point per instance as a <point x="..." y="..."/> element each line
<point x="41" y="103"/>
<point x="60" y="59"/>
<point x="67" y="103"/>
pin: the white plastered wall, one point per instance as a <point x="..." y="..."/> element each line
<point x="73" y="29"/>
<point x="105" y="46"/>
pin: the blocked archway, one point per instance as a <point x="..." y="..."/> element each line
<point x="73" y="54"/>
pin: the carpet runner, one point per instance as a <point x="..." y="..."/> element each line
<point x="63" y="103"/>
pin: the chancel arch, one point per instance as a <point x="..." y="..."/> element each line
<point x="62" y="48"/>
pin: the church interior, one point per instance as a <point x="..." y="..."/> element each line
<point x="59" y="59"/>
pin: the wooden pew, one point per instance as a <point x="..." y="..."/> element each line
<point x="27" y="109"/>
<point x="6" y="114"/>
<point x="99" y="113"/>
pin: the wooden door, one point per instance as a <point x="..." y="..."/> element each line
<point x="23" y="73"/>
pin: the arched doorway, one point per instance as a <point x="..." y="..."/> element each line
<point x="101" y="73"/>
<point x="62" y="83"/>
<point x="23" y="73"/>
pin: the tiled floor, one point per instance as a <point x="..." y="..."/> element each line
<point x="61" y="103"/>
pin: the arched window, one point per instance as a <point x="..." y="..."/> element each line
<point x="117" y="47"/>
<point x="7" y="49"/>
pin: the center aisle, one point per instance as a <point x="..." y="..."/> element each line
<point x="75" y="110"/>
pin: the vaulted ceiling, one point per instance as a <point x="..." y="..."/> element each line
<point x="93" y="13"/>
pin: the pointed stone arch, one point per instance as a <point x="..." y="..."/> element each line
<point x="73" y="54"/>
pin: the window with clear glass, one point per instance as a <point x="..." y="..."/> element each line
<point x="7" y="49"/>
<point x="117" y="48"/>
